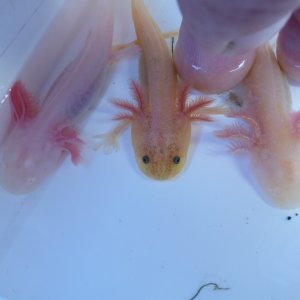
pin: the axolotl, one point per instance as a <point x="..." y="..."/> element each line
<point x="161" y="117"/>
<point x="268" y="130"/>
<point x="42" y="132"/>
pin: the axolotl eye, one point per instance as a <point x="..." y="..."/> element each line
<point x="146" y="159"/>
<point x="176" y="160"/>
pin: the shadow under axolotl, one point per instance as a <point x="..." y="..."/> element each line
<point x="14" y="212"/>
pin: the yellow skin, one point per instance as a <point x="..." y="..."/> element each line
<point x="160" y="120"/>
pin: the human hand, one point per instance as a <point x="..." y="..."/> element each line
<point x="216" y="43"/>
<point x="288" y="47"/>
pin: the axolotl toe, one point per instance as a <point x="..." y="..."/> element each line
<point x="269" y="130"/>
<point x="161" y="116"/>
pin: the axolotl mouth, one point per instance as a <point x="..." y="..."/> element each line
<point x="23" y="170"/>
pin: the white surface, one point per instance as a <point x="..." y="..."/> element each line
<point x="105" y="231"/>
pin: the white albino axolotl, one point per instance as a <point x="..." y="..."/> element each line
<point x="42" y="132"/>
<point x="161" y="118"/>
<point x="272" y="136"/>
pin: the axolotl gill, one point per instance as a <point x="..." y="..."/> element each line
<point x="161" y="117"/>
<point x="268" y="130"/>
<point x="42" y="132"/>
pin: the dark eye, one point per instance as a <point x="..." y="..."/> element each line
<point x="176" y="160"/>
<point x="146" y="159"/>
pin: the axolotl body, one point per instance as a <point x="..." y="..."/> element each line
<point x="272" y="132"/>
<point x="42" y="132"/>
<point x="161" y="118"/>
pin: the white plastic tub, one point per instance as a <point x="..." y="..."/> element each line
<point x="104" y="231"/>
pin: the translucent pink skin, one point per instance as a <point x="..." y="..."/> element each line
<point x="63" y="28"/>
<point x="40" y="139"/>
<point x="288" y="47"/>
<point x="216" y="41"/>
<point x="272" y="136"/>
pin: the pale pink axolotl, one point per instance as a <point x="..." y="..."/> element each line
<point x="161" y="118"/>
<point x="43" y="132"/>
<point x="272" y="134"/>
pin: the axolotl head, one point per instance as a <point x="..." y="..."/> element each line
<point x="161" y="152"/>
<point x="28" y="157"/>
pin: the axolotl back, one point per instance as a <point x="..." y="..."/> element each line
<point x="43" y="132"/>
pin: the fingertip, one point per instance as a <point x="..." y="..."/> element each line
<point x="288" y="48"/>
<point x="209" y="72"/>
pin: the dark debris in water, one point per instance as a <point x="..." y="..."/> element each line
<point x="215" y="288"/>
<point x="290" y="217"/>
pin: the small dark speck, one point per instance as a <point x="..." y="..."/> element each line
<point x="288" y="218"/>
<point x="235" y="99"/>
<point x="230" y="45"/>
<point x="296" y="214"/>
